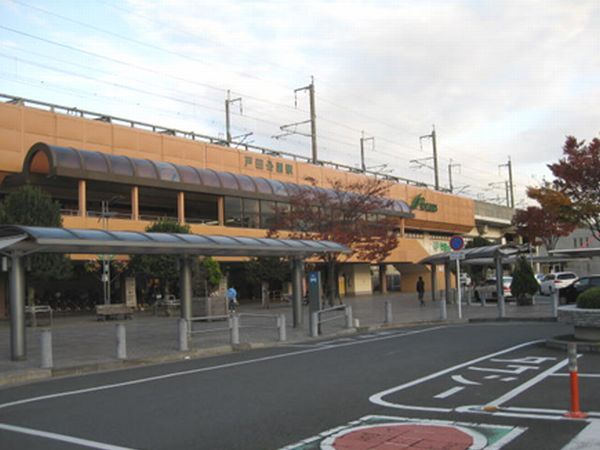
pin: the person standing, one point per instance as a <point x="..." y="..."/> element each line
<point x="231" y="299"/>
<point x="421" y="290"/>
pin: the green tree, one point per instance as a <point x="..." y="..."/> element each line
<point x="209" y="275"/>
<point x="271" y="269"/>
<point x="523" y="282"/>
<point x="163" y="267"/>
<point x="29" y="205"/>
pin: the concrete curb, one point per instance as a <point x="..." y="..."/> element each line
<point x="561" y="342"/>
<point x="513" y="319"/>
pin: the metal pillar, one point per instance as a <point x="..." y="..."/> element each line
<point x="298" y="317"/>
<point x="185" y="288"/>
<point x="447" y="275"/>
<point x="16" y="294"/>
<point x="500" y="287"/>
<point x="433" y="282"/>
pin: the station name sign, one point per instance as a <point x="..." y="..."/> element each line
<point x="268" y="165"/>
<point x="421" y="204"/>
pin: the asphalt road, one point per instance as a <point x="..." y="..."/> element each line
<point x="273" y="398"/>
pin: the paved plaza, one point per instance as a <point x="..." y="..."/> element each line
<point x="80" y="343"/>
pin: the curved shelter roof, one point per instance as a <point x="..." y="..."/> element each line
<point x="85" y="164"/>
<point x="65" y="240"/>
<point x="477" y="255"/>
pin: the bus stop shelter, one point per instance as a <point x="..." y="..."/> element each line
<point x="18" y="242"/>
<point x="495" y="255"/>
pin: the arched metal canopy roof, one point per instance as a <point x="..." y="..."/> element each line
<point x="84" y="164"/>
<point x="478" y="255"/>
<point x="64" y="240"/>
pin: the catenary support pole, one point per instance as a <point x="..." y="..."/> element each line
<point x="297" y="316"/>
<point x="16" y="294"/>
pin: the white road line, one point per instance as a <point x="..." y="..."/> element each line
<point x="378" y="398"/>
<point x="580" y="375"/>
<point x="61" y="437"/>
<point x="449" y="392"/>
<point x="463" y="380"/>
<point x="587" y="438"/>
<point x="207" y="369"/>
<point x="523" y="387"/>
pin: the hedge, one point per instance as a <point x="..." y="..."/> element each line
<point x="589" y="299"/>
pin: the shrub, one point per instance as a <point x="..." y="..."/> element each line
<point x="523" y="283"/>
<point x="589" y="299"/>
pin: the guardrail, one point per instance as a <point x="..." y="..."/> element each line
<point x="317" y="319"/>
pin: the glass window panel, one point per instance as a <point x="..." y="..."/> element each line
<point x="49" y="233"/>
<point x="96" y="235"/>
<point x="263" y="185"/>
<point x="233" y="211"/>
<point x="246" y="183"/>
<point x="251" y="213"/>
<point x="144" y="168"/>
<point x="130" y="236"/>
<point x="167" y="171"/>
<point x="222" y="240"/>
<point x="66" y="158"/>
<point x="209" y="177"/>
<point x="188" y="175"/>
<point x="121" y="165"/>
<point x="228" y="181"/>
<point x="94" y="161"/>
<point x="164" y="237"/>
<point x="195" y="239"/>
<point x="267" y="214"/>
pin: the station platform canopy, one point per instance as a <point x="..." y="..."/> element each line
<point x="28" y="239"/>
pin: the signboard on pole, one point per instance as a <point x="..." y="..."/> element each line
<point x="457" y="256"/>
<point x="457" y="243"/>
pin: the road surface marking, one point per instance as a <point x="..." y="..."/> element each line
<point x="61" y="437"/>
<point x="378" y="397"/>
<point x="208" y="369"/>
<point x="516" y="369"/>
<point x="580" y="375"/>
<point x="463" y="380"/>
<point x="449" y="392"/>
<point x="508" y="379"/>
<point x="523" y="387"/>
<point x="589" y="437"/>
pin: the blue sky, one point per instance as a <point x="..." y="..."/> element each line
<point x="496" y="78"/>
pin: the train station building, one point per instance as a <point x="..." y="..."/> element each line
<point x="148" y="172"/>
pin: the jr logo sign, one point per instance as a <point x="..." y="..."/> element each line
<point x="421" y="204"/>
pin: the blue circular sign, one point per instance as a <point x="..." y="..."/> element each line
<point x="457" y="243"/>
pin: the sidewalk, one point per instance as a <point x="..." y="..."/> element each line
<point x="82" y="344"/>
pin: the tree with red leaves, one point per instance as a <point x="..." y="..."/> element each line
<point x="347" y="213"/>
<point x="577" y="177"/>
<point x="541" y="226"/>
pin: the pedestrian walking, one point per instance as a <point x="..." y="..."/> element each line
<point x="232" y="299"/>
<point x="421" y="290"/>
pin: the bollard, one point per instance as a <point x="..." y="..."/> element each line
<point x="555" y="303"/>
<point x="46" y="347"/>
<point x="388" y="312"/>
<point x="282" y="330"/>
<point x="575" y="411"/>
<point x="183" y="335"/>
<point x="314" y="324"/>
<point x="349" y="320"/>
<point x="121" y="341"/>
<point x="235" y="329"/>
<point x="443" y="313"/>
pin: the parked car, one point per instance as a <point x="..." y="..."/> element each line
<point x="571" y="292"/>
<point x="539" y="277"/>
<point x="488" y="289"/>
<point x="558" y="280"/>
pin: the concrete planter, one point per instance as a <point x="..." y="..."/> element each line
<point x="585" y="321"/>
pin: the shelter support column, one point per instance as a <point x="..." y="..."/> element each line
<point x="221" y="210"/>
<point x="402" y="227"/>
<point x="82" y="198"/>
<point x="185" y="288"/>
<point x="135" y="203"/>
<point x="181" y="208"/>
<point x="500" y="286"/>
<point x="16" y="293"/>
<point x="298" y="317"/>
<point x="433" y="282"/>
<point x="447" y="282"/>
<point x="383" y="278"/>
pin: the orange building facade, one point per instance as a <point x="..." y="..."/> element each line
<point x="80" y="161"/>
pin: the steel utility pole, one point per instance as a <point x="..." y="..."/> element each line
<point x="508" y="165"/>
<point x="435" y="158"/>
<point x="450" y="167"/>
<point x="363" y="139"/>
<point x="228" y="102"/>
<point x="313" y="116"/>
